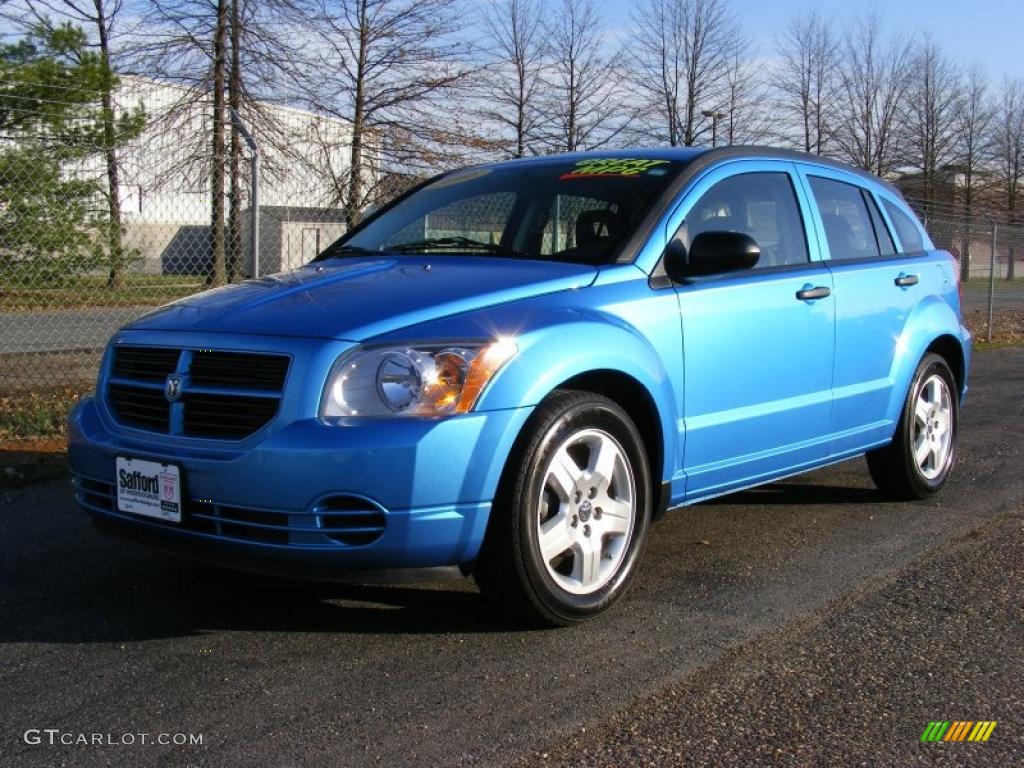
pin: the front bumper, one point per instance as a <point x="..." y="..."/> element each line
<point x="416" y="492"/>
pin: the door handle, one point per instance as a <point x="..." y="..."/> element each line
<point x="904" y="280"/>
<point x="813" y="292"/>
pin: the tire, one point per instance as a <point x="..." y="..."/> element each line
<point x="929" y="424"/>
<point x="555" y="497"/>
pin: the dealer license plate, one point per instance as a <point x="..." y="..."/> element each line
<point x="149" y="488"/>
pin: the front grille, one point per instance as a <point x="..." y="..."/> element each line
<point x="141" y="408"/>
<point x="145" y="363"/>
<point x="227" y="416"/>
<point x="239" y="369"/>
<point x="224" y="395"/>
<point x="343" y="521"/>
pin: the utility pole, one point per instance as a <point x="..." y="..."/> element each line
<point x="254" y="191"/>
<point x="715" y="116"/>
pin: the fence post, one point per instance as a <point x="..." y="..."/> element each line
<point x="991" y="281"/>
<point x="254" y="196"/>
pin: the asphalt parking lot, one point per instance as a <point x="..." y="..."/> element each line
<point x="61" y="330"/>
<point x="97" y="636"/>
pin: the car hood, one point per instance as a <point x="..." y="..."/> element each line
<point x="358" y="298"/>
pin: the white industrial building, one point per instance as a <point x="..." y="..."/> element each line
<point x="165" y="180"/>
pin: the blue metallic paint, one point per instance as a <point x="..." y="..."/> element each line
<point x="831" y="375"/>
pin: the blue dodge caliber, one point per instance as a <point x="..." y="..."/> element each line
<point x="514" y="368"/>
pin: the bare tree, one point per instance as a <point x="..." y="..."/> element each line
<point x="218" y="272"/>
<point x="746" y="120"/>
<point x="972" y="122"/>
<point x="1009" y="153"/>
<point x="682" y="50"/>
<point x="384" y="67"/>
<point x="582" y="109"/>
<point x="933" y="95"/>
<point x="234" y="233"/>
<point x="806" y="81"/>
<point x="873" y="80"/>
<point x="512" y="82"/>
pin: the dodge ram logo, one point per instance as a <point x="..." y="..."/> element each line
<point x="172" y="388"/>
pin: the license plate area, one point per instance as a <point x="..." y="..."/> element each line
<point x="148" y="488"/>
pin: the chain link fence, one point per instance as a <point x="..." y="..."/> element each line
<point x="95" y="232"/>
<point x="991" y="255"/>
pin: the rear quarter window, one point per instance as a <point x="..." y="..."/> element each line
<point x="907" y="230"/>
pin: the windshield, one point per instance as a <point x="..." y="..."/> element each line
<point x="566" y="210"/>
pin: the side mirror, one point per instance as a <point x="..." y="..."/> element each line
<point x="711" y="253"/>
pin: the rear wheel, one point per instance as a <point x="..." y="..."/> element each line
<point x="921" y="456"/>
<point x="571" y="518"/>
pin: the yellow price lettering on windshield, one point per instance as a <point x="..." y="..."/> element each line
<point x="612" y="166"/>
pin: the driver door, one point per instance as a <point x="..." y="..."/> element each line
<point x="758" y="345"/>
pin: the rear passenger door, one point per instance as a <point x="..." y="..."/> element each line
<point x="875" y="289"/>
<point x="757" y="344"/>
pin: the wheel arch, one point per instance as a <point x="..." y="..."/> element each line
<point x="932" y="326"/>
<point x="948" y="347"/>
<point x="637" y="401"/>
<point x="610" y="359"/>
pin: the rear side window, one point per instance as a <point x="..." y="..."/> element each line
<point x="885" y="243"/>
<point x="844" y="214"/>
<point x="762" y="205"/>
<point x="906" y="229"/>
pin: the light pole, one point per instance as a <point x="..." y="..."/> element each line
<point x="715" y="117"/>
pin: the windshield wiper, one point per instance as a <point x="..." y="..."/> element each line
<point x="337" y="251"/>
<point x="457" y="243"/>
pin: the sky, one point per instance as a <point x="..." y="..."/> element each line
<point x="984" y="31"/>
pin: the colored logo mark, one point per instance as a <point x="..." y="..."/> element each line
<point x="958" y="730"/>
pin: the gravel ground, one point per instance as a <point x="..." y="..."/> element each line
<point x="856" y="684"/>
<point x="99" y="635"/>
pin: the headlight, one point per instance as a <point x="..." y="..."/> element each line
<point x="425" y="380"/>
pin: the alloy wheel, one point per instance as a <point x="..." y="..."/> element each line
<point x="932" y="434"/>
<point x="587" y="511"/>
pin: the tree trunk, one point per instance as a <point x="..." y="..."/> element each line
<point x="234" y="255"/>
<point x="521" y="101"/>
<point x="115" y="246"/>
<point x="354" y="203"/>
<point x="1011" y="230"/>
<point x="965" y="251"/>
<point x="216" y="274"/>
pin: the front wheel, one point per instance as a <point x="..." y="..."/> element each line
<point x="571" y="518"/>
<point x="921" y="456"/>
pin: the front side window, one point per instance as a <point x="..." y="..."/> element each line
<point x="761" y="205"/>
<point x="574" y="221"/>
<point x="581" y="211"/>
<point x="906" y="229"/>
<point x="846" y="219"/>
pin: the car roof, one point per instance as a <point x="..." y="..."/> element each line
<point x="698" y="158"/>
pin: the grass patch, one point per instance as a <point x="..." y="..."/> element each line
<point x="980" y="284"/>
<point x="32" y="436"/>
<point x="36" y="416"/>
<point x="1007" y="327"/>
<point x="93" y="291"/>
